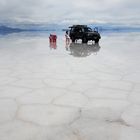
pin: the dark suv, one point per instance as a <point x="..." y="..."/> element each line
<point x="83" y="32"/>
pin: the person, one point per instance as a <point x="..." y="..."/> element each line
<point x="52" y="37"/>
<point x="67" y="37"/>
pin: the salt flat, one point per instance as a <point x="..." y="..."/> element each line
<point x="69" y="91"/>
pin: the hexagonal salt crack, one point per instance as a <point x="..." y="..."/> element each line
<point x="72" y="99"/>
<point x="132" y="116"/>
<point x="7" y="80"/>
<point x="133" y="77"/>
<point x="83" y="85"/>
<point x="30" y="83"/>
<point x="87" y="129"/>
<point x="17" y="130"/>
<point x="129" y="133"/>
<point x="106" y="93"/>
<point x="13" y="91"/>
<point x="122" y="85"/>
<point x="48" y="114"/>
<point x="8" y="110"/>
<point x="134" y="97"/>
<point x="41" y="96"/>
<point x="104" y="109"/>
<point x="61" y="83"/>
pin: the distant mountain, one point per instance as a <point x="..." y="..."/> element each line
<point x="15" y="28"/>
<point x="7" y="30"/>
<point x="24" y="27"/>
<point x="115" y="28"/>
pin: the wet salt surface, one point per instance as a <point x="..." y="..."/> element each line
<point x="69" y="92"/>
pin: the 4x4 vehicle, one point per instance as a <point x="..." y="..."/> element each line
<point x="83" y="32"/>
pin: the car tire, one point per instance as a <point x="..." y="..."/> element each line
<point x="97" y="41"/>
<point x="73" y="39"/>
<point x="84" y="40"/>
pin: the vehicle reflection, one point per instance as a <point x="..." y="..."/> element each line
<point x="82" y="50"/>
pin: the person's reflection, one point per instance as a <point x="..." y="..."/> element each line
<point x="83" y="50"/>
<point x="53" y="45"/>
<point x="67" y="45"/>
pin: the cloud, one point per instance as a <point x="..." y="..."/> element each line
<point x="70" y="11"/>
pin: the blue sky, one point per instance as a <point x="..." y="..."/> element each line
<point x="72" y="11"/>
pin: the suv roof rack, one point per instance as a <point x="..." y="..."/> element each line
<point x="78" y="26"/>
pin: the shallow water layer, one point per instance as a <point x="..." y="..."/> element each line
<point x="69" y="91"/>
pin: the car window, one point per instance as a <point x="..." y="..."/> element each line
<point x="77" y="30"/>
<point x="89" y="29"/>
<point x="72" y="29"/>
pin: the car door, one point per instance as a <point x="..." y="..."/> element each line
<point x="78" y="32"/>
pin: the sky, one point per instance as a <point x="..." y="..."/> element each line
<point x="70" y="11"/>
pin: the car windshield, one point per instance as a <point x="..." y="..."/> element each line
<point x="88" y="29"/>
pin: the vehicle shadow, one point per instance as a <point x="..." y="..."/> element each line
<point x="82" y="50"/>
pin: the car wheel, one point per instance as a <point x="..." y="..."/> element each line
<point x="73" y="39"/>
<point x="97" y="41"/>
<point x="84" y="40"/>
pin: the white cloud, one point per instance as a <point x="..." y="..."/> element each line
<point x="70" y="11"/>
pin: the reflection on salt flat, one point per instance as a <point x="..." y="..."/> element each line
<point x="82" y="50"/>
<point x="53" y="45"/>
<point x="47" y="94"/>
